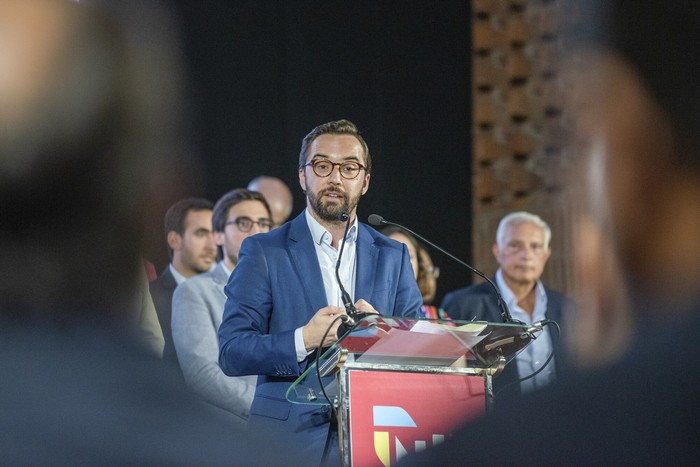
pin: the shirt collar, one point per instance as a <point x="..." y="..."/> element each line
<point x="223" y="265"/>
<point x="179" y="278"/>
<point x="320" y="235"/>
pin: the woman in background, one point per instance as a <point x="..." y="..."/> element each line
<point x="423" y="270"/>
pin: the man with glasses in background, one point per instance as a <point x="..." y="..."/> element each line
<point x="522" y="249"/>
<point x="198" y="304"/>
<point x="283" y="296"/>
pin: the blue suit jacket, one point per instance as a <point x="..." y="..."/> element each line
<point x="277" y="287"/>
<point x="479" y="303"/>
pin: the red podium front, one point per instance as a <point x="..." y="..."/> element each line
<point x="393" y="413"/>
<point x="403" y="385"/>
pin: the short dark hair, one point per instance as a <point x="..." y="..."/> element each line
<point x="338" y="127"/>
<point x="233" y="197"/>
<point x="176" y="214"/>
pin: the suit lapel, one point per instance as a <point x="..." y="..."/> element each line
<point x="219" y="274"/>
<point x="219" y="278"/>
<point x="367" y="255"/>
<point x="552" y="311"/>
<point x="305" y="263"/>
<point x="169" y="282"/>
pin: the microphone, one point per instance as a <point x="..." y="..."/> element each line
<point x="345" y="296"/>
<point x="378" y="220"/>
<point x="350" y="309"/>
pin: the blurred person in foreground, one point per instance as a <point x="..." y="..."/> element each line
<point x="151" y="334"/>
<point x="78" y="148"/>
<point x="638" y="103"/>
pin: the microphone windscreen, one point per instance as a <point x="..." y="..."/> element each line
<point x="343" y="216"/>
<point x="375" y="219"/>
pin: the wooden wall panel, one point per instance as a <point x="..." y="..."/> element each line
<point x="519" y="162"/>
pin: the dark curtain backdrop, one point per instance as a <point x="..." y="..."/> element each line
<point x="263" y="73"/>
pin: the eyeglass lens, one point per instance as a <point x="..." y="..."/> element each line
<point x="245" y="224"/>
<point x="348" y="170"/>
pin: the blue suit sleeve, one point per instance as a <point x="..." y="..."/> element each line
<point x="247" y="345"/>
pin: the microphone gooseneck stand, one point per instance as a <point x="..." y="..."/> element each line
<point x="352" y="317"/>
<point x="350" y="309"/>
<point x="378" y="220"/>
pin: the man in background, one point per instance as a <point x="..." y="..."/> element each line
<point x="278" y="196"/>
<point x="198" y="304"/>
<point x="522" y="249"/>
<point x="191" y="250"/>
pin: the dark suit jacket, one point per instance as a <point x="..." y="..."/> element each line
<point x="162" y="290"/>
<point x="479" y="302"/>
<point x="277" y="287"/>
<point x="641" y="410"/>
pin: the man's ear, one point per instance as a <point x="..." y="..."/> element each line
<point x="219" y="238"/>
<point x="604" y="324"/>
<point x="174" y="240"/>
<point x="365" y="183"/>
<point x="495" y="250"/>
<point x="302" y="180"/>
<point x="548" y="253"/>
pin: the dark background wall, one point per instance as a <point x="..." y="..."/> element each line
<point x="263" y="73"/>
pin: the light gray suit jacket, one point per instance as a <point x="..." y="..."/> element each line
<point x="198" y="305"/>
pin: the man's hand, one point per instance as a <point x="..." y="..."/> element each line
<point x="318" y="325"/>
<point x="363" y="307"/>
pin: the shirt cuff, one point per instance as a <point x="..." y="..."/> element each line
<point x="299" y="345"/>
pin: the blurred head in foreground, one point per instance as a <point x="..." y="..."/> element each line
<point x="85" y="124"/>
<point x="636" y="110"/>
<point x="636" y="100"/>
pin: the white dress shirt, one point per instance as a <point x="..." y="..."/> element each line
<point x="327" y="260"/>
<point x="531" y="358"/>
<point x="179" y="278"/>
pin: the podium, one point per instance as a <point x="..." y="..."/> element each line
<point x="399" y="385"/>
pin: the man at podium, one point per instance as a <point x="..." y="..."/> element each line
<point x="291" y="285"/>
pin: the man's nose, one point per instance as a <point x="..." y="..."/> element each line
<point x="210" y="242"/>
<point x="335" y="176"/>
<point x="527" y="252"/>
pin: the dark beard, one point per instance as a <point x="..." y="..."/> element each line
<point x="231" y="257"/>
<point x="330" y="212"/>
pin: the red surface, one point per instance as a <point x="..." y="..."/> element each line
<point x="437" y="404"/>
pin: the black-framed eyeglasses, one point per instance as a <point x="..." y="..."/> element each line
<point x="323" y="168"/>
<point x="245" y="224"/>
